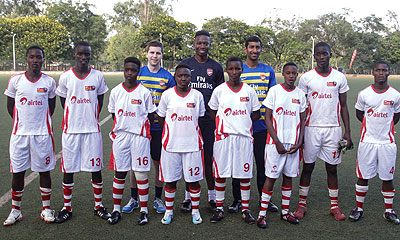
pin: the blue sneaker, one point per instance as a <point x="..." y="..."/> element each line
<point x="167" y="219"/>
<point x="196" y="218"/>
<point x="159" y="206"/>
<point x="130" y="206"/>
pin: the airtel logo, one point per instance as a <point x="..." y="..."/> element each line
<point x="174" y="116"/>
<point x="280" y="111"/>
<point x="23" y="100"/>
<point x="372" y="113"/>
<point x="120" y="112"/>
<point x="126" y="113"/>
<point x="228" y="111"/>
<point x="322" y="95"/>
<point x="181" y="118"/>
<point x="79" y="100"/>
<point x="73" y="99"/>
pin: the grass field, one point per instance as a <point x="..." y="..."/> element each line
<point x="317" y="223"/>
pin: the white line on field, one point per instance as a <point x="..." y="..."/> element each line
<point x="28" y="179"/>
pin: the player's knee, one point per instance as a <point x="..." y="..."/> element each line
<point x="308" y="168"/>
<point x="331" y="170"/>
<point x="96" y="177"/>
<point x="140" y="176"/>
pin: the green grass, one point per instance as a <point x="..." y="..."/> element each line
<point x="317" y="223"/>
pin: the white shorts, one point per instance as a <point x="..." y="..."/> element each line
<point x="81" y="152"/>
<point x="233" y="157"/>
<point x="322" y="142"/>
<point x="130" y="151"/>
<point x="173" y="163"/>
<point x="276" y="163"/>
<point x="375" y="158"/>
<point x="35" y="152"/>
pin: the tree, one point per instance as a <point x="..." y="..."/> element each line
<point x="81" y="23"/>
<point x="20" y="8"/>
<point x="50" y="35"/>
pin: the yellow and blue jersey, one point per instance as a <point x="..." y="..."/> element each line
<point x="157" y="83"/>
<point x="261" y="79"/>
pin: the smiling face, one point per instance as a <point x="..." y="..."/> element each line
<point x="35" y="60"/>
<point x="182" y="77"/>
<point x="82" y="56"/>
<point x="201" y="45"/>
<point x="154" y="56"/>
<point x="253" y="51"/>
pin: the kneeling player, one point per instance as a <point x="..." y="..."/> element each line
<point x="182" y="145"/>
<point x="31" y="102"/>
<point x="284" y="118"/>
<point x="378" y="108"/>
<point x="131" y="106"/>
<point x="234" y="106"/>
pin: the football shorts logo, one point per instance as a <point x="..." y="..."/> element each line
<point x="23" y="100"/>
<point x="263" y="77"/>
<point x="228" y="111"/>
<point x="136" y="101"/>
<point x="331" y="84"/>
<point x="41" y="90"/>
<point x="162" y="83"/>
<point x="209" y="71"/>
<point x="244" y="99"/>
<point x="90" y="88"/>
<point x="274" y="169"/>
<point x="294" y="100"/>
<point x="174" y="116"/>
<point x="388" y="102"/>
<point x="73" y="99"/>
<point x="190" y="105"/>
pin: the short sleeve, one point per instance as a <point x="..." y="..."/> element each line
<point x="214" y="103"/>
<point x="219" y="77"/>
<point x="62" y="86"/>
<point x="344" y="87"/>
<point x="53" y="87"/>
<point x="103" y="87"/>
<point x="162" y="105"/>
<point x="111" y="102"/>
<point x="171" y="81"/>
<point x="269" y="100"/>
<point x="272" y="80"/>
<point x="302" y="85"/>
<point x="360" y="105"/>
<point x="397" y="104"/>
<point x="303" y="103"/>
<point x="202" y="108"/>
<point x="11" y="91"/>
<point x="255" y="104"/>
<point x="150" y="106"/>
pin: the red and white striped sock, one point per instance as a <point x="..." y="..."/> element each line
<point x="16" y="197"/>
<point x="45" y="193"/>
<point x="245" y="193"/>
<point x="195" y="198"/>
<point x="67" y="189"/>
<point x="220" y="185"/>
<point x="286" y="194"/>
<point x="98" y="194"/>
<point x="334" y="195"/>
<point x="265" y="198"/>
<point x="169" y="198"/>
<point x="118" y="192"/>
<point x="388" y="197"/>
<point x="303" y="193"/>
<point x="143" y="189"/>
<point x="361" y="191"/>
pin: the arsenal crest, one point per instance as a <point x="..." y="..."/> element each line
<point x="209" y="72"/>
<point x="262" y="77"/>
<point x="162" y="83"/>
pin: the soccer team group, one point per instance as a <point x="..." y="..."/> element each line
<point x="197" y="124"/>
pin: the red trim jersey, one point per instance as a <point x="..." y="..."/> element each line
<point x="131" y="109"/>
<point x="234" y="109"/>
<point x="181" y="132"/>
<point x="81" y="110"/>
<point x="323" y="97"/>
<point x="286" y="106"/>
<point x="31" y="110"/>
<point x="379" y="108"/>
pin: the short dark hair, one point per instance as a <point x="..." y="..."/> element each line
<point x="288" y="64"/>
<point x="154" y="43"/>
<point x="34" y="47"/>
<point x="234" y="59"/>
<point x="133" y="60"/>
<point x="381" y="62"/>
<point x="202" y="33"/>
<point x="81" y="43"/>
<point x="252" y="39"/>
<point x="322" y="44"/>
<point x="183" y="66"/>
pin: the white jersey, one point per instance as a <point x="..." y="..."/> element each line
<point x="81" y="110"/>
<point x="286" y="106"/>
<point x="181" y="129"/>
<point x="378" y="108"/>
<point x="131" y="109"/>
<point x="234" y="110"/>
<point x="31" y="109"/>
<point x="323" y="97"/>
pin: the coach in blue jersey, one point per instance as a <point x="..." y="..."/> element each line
<point x="206" y="75"/>
<point x="261" y="78"/>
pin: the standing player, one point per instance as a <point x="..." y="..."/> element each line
<point x="207" y="74"/>
<point x="81" y="90"/>
<point x="31" y="142"/>
<point x="326" y="89"/>
<point x="179" y="110"/>
<point x="378" y="108"/>
<point x="284" y="117"/>
<point x="234" y="106"/>
<point x="131" y="106"/>
<point x="157" y="80"/>
<point x="261" y="78"/>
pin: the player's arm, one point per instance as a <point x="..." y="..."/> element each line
<point x="62" y="102"/>
<point x="213" y="114"/>
<point x="301" y="135"/>
<point x="52" y="105"/>
<point x="10" y="105"/>
<point x="272" y="132"/>
<point x="100" y="99"/>
<point x="344" y="112"/>
<point x="360" y="115"/>
<point x="255" y="115"/>
<point x="396" y="118"/>
<point x="161" y="121"/>
<point x="150" y="116"/>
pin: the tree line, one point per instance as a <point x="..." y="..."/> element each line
<point x="57" y="25"/>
